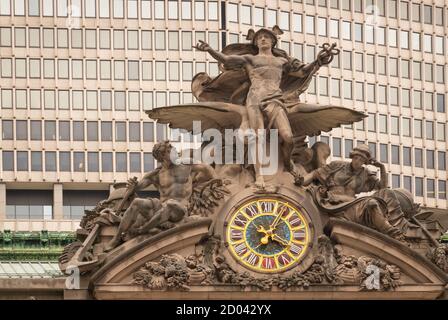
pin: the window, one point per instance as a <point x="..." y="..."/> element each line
<point x="392" y="8"/>
<point x="395" y="127"/>
<point x="148" y="131"/>
<point x="427" y="14"/>
<point x="371" y="122"/>
<point x="442" y="189"/>
<point x="404" y="39"/>
<point x="36" y="129"/>
<point x="430" y="161"/>
<point x="92" y="162"/>
<point x="395" y="154"/>
<point x="77" y="38"/>
<point x="119" y="39"/>
<point x="370" y="63"/>
<point x="134" y="131"/>
<point x="438" y="16"/>
<point x="334" y="28"/>
<point x="439" y="45"/>
<point x="440" y="73"/>
<point x="405" y="68"/>
<point x="64" y="130"/>
<point x="105" y="39"/>
<point x="21" y="99"/>
<point x="347" y="89"/>
<point x="6" y="67"/>
<point x="416" y="42"/>
<point x="418" y="128"/>
<point x="407" y="183"/>
<point x="34" y="37"/>
<point x="22" y="161"/>
<point x="346" y="30"/>
<point x="246" y="14"/>
<point x="348" y="147"/>
<point x="105" y="9"/>
<point x="161" y="70"/>
<point x="383" y="123"/>
<point x="106" y="162"/>
<point x="106" y="131"/>
<point x="297" y="22"/>
<point x="418" y="158"/>
<point x="405" y="98"/>
<point x="370" y="34"/>
<point x="430" y="188"/>
<point x="419" y="187"/>
<point x="406" y="127"/>
<point x="259" y="18"/>
<point x="78" y="131"/>
<point x="359" y="57"/>
<point x="90" y="38"/>
<point x="381" y="35"/>
<point x="407" y="161"/>
<point x="430" y="130"/>
<point x="440" y="102"/>
<point x="118" y="8"/>
<point x="347" y="60"/>
<point x="92" y="131"/>
<point x="20" y="68"/>
<point x="148" y="162"/>
<point x="336" y="149"/>
<point x="212" y="10"/>
<point x="404" y="10"/>
<point x="21" y="130"/>
<point x="284" y="20"/>
<point x="358" y="32"/>
<point x="78" y="162"/>
<point x="382" y="65"/>
<point x="134" y="162"/>
<point x="417" y="100"/>
<point x="440" y="131"/>
<point x="370" y="92"/>
<point x="119" y="70"/>
<point x="384" y="153"/>
<point x="186" y="10"/>
<point x="120" y="162"/>
<point x="441" y="160"/>
<point x="7" y="130"/>
<point x="50" y="161"/>
<point x="392" y="37"/>
<point x="272" y="18"/>
<point x="120" y="131"/>
<point x="105" y="69"/>
<point x="50" y="130"/>
<point x="232" y="12"/>
<point x="395" y="181"/>
<point x="309" y="24"/>
<point x="416" y="12"/>
<point x="19" y="37"/>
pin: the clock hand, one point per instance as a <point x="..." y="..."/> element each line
<point x="277" y="218"/>
<point x="279" y="239"/>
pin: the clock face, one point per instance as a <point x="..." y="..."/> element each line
<point x="268" y="235"/>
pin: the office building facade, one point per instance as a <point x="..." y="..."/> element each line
<point x="76" y="77"/>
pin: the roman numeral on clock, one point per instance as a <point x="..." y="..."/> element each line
<point x="268" y="263"/>
<point x="240" y="220"/>
<point x="267" y="206"/>
<point x="252" y="210"/>
<point x="236" y="234"/>
<point x="284" y="259"/>
<point x="295" y="249"/>
<point x="240" y="249"/>
<point x="252" y="259"/>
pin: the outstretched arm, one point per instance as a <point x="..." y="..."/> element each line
<point x="300" y="70"/>
<point x="324" y="57"/>
<point x="220" y="57"/>
<point x="147" y="180"/>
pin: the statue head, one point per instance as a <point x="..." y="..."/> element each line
<point x="360" y="155"/>
<point x="264" y="37"/>
<point x="164" y="152"/>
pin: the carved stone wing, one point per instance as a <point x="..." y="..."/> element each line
<point x="310" y="119"/>
<point x="217" y="115"/>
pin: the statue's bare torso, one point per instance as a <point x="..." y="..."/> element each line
<point x="174" y="183"/>
<point x="265" y="74"/>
